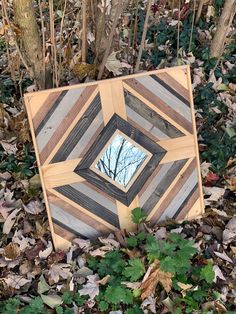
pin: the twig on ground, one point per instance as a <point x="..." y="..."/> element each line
<point x="178" y="30"/>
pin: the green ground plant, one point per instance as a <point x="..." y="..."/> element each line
<point x="175" y="259"/>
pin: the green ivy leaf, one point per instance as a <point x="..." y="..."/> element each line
<point x="67" y="297"/>
<point x="207" y="273"/>
<point x="135" y="270"/>
<point x="153" y="250"/>
<point x="103" y="306"/>
<point x="118" y="294"/>
<point x="135" y="310"/>
<point x="132" y="241"/>
<point x="138" y="215"/>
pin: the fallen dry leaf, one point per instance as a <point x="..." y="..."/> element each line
<point x="45" y="253"/>
<point x="34" y="207"/>
<point x="8" y="224"/>
<point x="214" y="192"/>
<point x="224" y="256"/>
<point x="58" y="271"/>
<point x="11" y="251"/>
<point x="91" y="288"/>
<point x="15" y="281"/>
<point x="218" y="273"/>
<point x="157" y="275"/>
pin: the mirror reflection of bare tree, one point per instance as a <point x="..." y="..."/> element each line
<point x="121" y="160"/>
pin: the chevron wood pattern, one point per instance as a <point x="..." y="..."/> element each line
<point x="72" y="127"/>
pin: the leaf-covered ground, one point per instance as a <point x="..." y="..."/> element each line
<point x="173" y="268"/>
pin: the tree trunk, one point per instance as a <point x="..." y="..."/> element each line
<point x="222" y="28"/>
<point x="30" y="39"/>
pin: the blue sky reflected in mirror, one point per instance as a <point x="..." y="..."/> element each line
<point x="121" y="160"/>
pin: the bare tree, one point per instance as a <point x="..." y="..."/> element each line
<point x="30" y="41"/>
<point x="225" y="20"/>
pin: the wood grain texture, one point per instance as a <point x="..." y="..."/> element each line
<point x="149" y="119"/>
<point x="139" y="88"/>
<point x="71" y="126"/>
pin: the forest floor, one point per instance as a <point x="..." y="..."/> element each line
<point x="187" y="267"/>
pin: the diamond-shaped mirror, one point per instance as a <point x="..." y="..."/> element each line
<point x="121" y="160"/>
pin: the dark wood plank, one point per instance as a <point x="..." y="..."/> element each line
<point x="89" y="204"/>
<point x="163" y="185"/>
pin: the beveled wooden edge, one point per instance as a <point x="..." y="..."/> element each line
<point x="54" y="238"/>
<point x="83" y="169"/>
<point x="125" y="189"/>
<point x="195" y="140"/>
<point x="181" y="67"/>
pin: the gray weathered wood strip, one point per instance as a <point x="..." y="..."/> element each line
<point x="93" y="194"/>
<point x="72" y="222"/>
<point x="181" y="196"/>
<point x="55" y="120"/>
<point x="88" y="203"/>
<point x="78" y="131"/>
<point x="170" y="99"/>
<point x="154" y="122"/>
<point x="87" y="137"/>
<point x="163" y="181"/>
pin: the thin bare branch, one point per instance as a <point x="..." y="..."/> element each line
<point x="84" y="31"/>
<point x="60" y="40"/>
<point x="14" y="38"/>
<point x="193" y="18"/>
<point x="119" y="9"/>
<point x="199" y="10"/>
<point x="43" y="38"/>
<point x="145" y="27"/>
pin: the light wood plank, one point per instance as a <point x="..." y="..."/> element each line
<point x="61" y="244"/>
<point x="35" y="101"/>
<point x="178" y="154"/>
<point x="124" y="214"/>
<point x="180" y="76"/>
<point x="118" y="99"/>
<point x="178" y="148"/>
<point x="177" y="143"/>
<point x="61" y="173"/>
<point x="195" y="138"/>
<point x="196" y="211"/>
<point x="107" y="101"/>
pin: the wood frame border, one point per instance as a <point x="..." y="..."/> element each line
<point x="84" y="167"/>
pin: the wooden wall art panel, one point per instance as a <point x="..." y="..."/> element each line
<point x="104" y="148"/>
